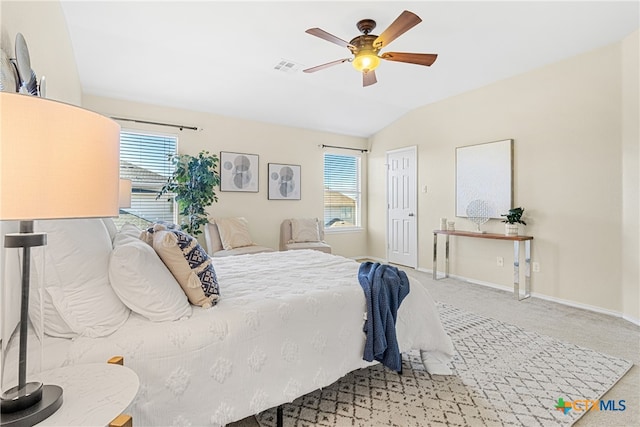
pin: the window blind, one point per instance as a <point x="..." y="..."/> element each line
<point x="144" y="159"/>
<point x="341" y="190"/>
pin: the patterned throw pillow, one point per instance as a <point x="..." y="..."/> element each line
<point x="147" y="234"/>
<point x="190" y="265"/>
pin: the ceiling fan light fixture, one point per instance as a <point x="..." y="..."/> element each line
<point x="366" y="61"/>
<point x="365" y="47"/>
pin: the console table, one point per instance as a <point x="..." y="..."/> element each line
<point x="516" y="256"/>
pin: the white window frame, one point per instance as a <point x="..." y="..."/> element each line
<point x="165" y="173"/>
<point x="358" y="192"/>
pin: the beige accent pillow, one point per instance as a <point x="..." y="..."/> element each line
<point x="165" y="243"/>
<point x="234" y="232"/>
<point x="304" y="230"/>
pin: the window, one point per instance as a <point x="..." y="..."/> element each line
<point x="144" y="159"/>
<point x="341" y="191"/>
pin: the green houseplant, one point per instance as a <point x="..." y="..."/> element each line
<point x="193" y="184"/>
<point x="512" y="219"/>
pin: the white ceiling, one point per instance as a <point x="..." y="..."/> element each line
<point x="219" y="57"/>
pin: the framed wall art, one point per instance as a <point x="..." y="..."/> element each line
<point x="484" y="179"/>
<point x="284" y="182"/>
<point x="238" y="172"/>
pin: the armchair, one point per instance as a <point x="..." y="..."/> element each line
<point x="230" y="236"/>
<point x="303" y="234"/>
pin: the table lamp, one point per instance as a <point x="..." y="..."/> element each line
<point x="56" y="161"/>
<point x="124" y="200"/>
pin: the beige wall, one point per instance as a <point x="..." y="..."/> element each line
<point x="44" y="28"/>
<point x="566" y="120"/>
<point x="272" y="143"/>
<point x="631" y="177"/>
<point x="577" y="156"/>
<point x="45" y="31"/>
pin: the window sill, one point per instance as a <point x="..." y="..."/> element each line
<point x="340" y="230"/>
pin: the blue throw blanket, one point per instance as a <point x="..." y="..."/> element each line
<point x="384" y="288"/>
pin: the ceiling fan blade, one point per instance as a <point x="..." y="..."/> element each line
<point x="329" y="37"/>
<point x="412" y="58"/>
<point x="369" y="78"/>
<point x="327" y="65"/>
<point x="401" y="25"/>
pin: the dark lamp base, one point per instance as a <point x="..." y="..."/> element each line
<point x="49" y="403"/>
<point x="17" y="399"/>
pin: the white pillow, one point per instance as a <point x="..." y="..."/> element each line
<point x="78" y="299"/>
<point x="112" y="228"/>
<point x="234" y="232"/>
<point x="304" y="230"/>
<point x="144" y="283"/>
<point x="128" y="233"/>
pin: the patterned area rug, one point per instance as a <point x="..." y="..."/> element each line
<point x="503" y="376"/>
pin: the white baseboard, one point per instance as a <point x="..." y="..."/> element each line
<point x="546" y="297"/>
<point x="631" y="319"/>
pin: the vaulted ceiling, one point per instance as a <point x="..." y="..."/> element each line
<point x="222" y="57"/>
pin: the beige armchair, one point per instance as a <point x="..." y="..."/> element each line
<point x="230" y="236"/>
<point x="307" y="233"/>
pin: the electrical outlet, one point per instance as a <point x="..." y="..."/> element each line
<point x="500" y="261"/>
<point x="536" y="267"/>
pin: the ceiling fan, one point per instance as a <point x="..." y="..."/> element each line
<point x="365" y="48"/>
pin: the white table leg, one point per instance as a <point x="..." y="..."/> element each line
<point x="516" y="270"/>
<point x="435" y="257"/>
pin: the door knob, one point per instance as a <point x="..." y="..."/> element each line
<point x="411" y="214"/>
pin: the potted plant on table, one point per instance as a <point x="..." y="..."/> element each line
<point x="193" y="182"/>
<point x="512" y="219"/>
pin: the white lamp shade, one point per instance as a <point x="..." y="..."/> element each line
<point x="125" y="193"/>
<point x="56" y="160"/>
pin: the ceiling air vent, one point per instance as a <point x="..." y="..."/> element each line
<point x="287" y="66"/>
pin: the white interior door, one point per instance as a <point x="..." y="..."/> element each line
<point x="402" y="175"/>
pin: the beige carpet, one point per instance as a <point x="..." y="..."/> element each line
<point x="503" y="376"/>
<point x="599" y="332"/>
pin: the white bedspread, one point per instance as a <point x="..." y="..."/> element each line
<point x="287" y="323"/>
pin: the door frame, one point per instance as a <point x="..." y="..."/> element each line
<point x="414" y="151"/>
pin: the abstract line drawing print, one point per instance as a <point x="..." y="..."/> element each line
<point x="238" y="172"/>
<point x="284" y="182"/>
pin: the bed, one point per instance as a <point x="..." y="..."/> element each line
<point x="285" y="324"/>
